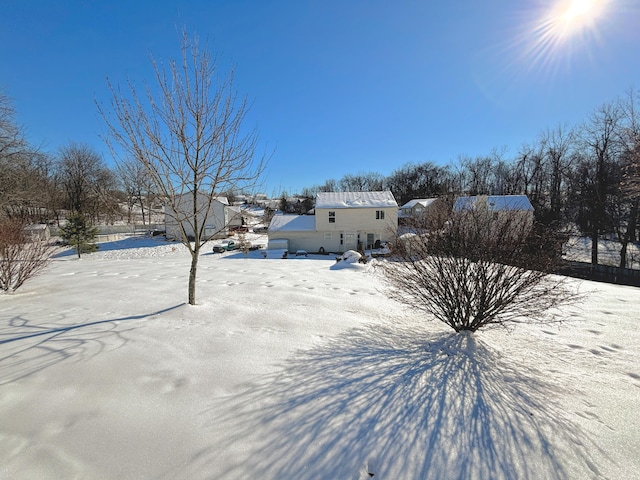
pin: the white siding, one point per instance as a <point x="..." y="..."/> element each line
<point x="215" y="222"/>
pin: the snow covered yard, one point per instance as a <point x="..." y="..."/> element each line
<point x="300" y="368"/>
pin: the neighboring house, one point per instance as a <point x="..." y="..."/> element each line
<point x="234" y="216"/>
<point x="259" y="199"/>
<point x="342" y="221"/>
<point x="518" y="206"/>
<point x="217" y="222"/>
<point x="37" y="232"/>
<point x="417" y="209"/>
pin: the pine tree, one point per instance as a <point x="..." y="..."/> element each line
<point x="80" y="234"/>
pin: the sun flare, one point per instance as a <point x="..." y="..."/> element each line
<point x="579" y="9"/>
<point x="570" y="17"/>
<point x="568" y="26"/>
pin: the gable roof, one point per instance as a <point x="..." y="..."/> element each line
<point x="425" y="202"/>
<point x="495" y="203"/>
<point x="355" y="200"/>
<point x="202" y="195"/>
<point x="292" y="223"/>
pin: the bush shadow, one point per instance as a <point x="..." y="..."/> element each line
<point x="399" y="403"/>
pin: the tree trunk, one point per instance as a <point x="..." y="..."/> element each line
<point x="192" y="276"/>
<point x="629" y="234"/>
<point x="594" y="246"/>
<point x="623" y="254"/>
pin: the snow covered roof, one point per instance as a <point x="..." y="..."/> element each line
<point x="34" y="227"/>
<point x="425" y="202"/>
<point x="189" y="195"/>
<point x="292" y="223"/>
<point x="495" y="203"/>
<point x="355" y="200"/>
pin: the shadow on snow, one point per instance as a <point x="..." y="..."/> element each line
<point x="122" y="244"/>
<point x="401" y="404"/>
<point x="22" y="357"/>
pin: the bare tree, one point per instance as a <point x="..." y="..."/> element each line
<point x="480" y="269"/>
<point x="23" y="172"/>
<point x="329" y="186"/>
<point x="138" y="189"/>
<point x="21" y="257"/>
<point x="628" y="205"/>
<point x="595" y="175"/>
<point x="12" y="141"/>
<point x="190" y="139"/>
<point x="361" y="182"/>
<point x="88" y="183"/>
<point x="557" y="147"/>
<point x="424" y="180"/>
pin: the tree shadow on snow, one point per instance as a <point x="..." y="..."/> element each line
<point x="27" y="348"/>
<point x="401" y="404"/>
<point x="121" y="244"/>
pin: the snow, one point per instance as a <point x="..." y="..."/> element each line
<point x="294" y="369"/>
<point x="292" y="223"/>
<point x="495" y="203"/>
<point x="355" y="200"/>
<point x="350" y="256"/>
<point x="424" y="202"/>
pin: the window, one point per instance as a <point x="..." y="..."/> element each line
<point x="379" y="214"/>
<point x="327" y="236"/>
<point x="332" y="217"/>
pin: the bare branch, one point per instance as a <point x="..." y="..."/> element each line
<point x="21" y="257"/>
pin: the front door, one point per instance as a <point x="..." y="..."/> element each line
<point x="370" y="241"/>
<point x="349" y="240"/>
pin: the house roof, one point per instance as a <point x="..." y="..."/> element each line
<point x="425" y="202"/>
<point x="292" y="223"/>
<point x="188" y="196"/>
<point x="34" y="227"/>
<point x="355" y="200"/>
<point x="495" y="203"/>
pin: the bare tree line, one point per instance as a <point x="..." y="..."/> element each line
<point x="37" y="187"/>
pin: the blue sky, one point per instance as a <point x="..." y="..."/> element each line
<point x="337" y="86"/>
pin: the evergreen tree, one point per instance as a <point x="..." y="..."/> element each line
<point x="80" y="234"/>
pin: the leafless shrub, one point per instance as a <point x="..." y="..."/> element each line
<point x="21" y="257"/>
<point x="478" y="269"/>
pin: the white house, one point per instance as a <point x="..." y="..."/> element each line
<point x="342" y="221"/>
<point x="517" y="206"/>
<point x="495" y="203"/>
<point x="216" y="221"/>
<point x="417" y="208"/>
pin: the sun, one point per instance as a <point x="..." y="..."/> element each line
<point x="579" y="9"/>
<point x="572" y="17"/>
<point x="567" y="27"/>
